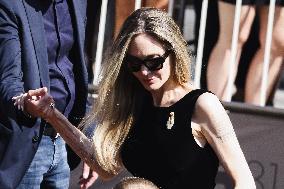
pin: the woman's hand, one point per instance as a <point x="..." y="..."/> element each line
<point x="37" y="103"/>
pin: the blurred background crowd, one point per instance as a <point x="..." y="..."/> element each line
<point x="217" y="43"/>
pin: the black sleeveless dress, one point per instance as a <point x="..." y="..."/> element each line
<point x="170" y="158"/>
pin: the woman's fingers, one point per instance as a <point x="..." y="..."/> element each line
<point x="37" y="103"/>
<point x="37" y="93"/>
<point x="22" y="101"/>
<point x="31" y="95"/>
<point x="17" y="101"/>
<point x="16" y="97"/>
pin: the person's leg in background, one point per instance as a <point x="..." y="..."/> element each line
<point x="124" y="8"/>
<point x="217" y="71"/>
<point x="161" y="4"/>
<point x="253" y="81"/>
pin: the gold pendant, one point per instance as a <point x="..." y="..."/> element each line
<point x="171" y="120"/>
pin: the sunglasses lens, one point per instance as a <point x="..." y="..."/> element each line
<point x="155" y="64"/>
<point x="132" y="63"/>
<point x="134" y="67"/>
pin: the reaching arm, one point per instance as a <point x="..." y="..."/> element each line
<point x="81" y="145"/>
<point x="218" y="131"/>
<point x="39" y="103"/>
<point x="11" y="73"/>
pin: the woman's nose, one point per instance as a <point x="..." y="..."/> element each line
<point x="144" y="70"/>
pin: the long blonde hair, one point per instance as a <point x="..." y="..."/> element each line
<point x="120" y="93"/>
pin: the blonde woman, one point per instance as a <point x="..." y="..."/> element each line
<point x="149" y="118"/>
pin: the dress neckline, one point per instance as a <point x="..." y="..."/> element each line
<point x="174" y="104"/>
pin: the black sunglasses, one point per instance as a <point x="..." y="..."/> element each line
<point x="152" y="64"/>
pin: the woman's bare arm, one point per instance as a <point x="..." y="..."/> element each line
<point x="39" y="103"/>
<point x="218" y="131"/>
<point x="81" y="145"/>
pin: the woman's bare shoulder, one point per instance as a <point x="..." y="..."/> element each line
<point x="209" y="111"/>
<point x="208" y="103"/>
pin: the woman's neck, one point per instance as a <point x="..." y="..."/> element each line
<point x="169" y="95"/>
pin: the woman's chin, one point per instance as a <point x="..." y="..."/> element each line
<point x="152" y="87"/>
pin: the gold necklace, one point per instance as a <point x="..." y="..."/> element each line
<point x="171" y="120"/>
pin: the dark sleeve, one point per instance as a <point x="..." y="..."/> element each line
<point x="10" y="61"/>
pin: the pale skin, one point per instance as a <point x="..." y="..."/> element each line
<point x="217" y="72"/>
<point x="212" y="124"/>
<point x="34" y="102"/>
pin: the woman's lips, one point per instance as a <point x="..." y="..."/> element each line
<point x="149" y="80"/>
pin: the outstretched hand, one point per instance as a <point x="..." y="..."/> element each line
<point x="88" y="177"/>
<point x="37" y="103"/>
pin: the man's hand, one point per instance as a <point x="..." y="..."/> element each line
<point x="88" y="177"/>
